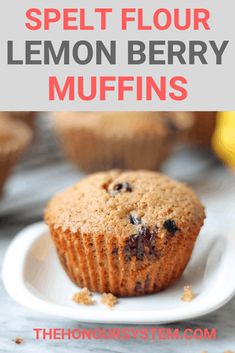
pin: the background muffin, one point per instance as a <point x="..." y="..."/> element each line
<point x="203" y="128"/>
<point x="129" y="140"/>
<point x="128" y="233"/>
<point x="26" y="117"/>
<point x="14" y="138"/>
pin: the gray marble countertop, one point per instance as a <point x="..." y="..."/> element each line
<point x="42" y="172"/>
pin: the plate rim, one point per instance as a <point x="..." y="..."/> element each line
<point x="25" y="297"/>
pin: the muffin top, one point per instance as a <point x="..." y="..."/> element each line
<point x="14" y="135"/>
<point x="122" y="124"/>
<point x="16" y="114"/>
<point x="118" y="202"/>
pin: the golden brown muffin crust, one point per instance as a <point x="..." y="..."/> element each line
<point x="120" y="124"/>
<point x="93" y="205"/>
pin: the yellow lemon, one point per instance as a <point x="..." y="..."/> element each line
<point x="224" y="138"/>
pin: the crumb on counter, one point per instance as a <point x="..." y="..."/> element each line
<point x="83" y="297"/>
<point x="188" y="294"/>
<point x="18" y="340"/>
<point x="109" y="300"/>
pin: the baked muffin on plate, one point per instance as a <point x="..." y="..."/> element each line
<point x="15" y="136"/>
<point x="129" y="233"/>
<point x="97" y="141"/>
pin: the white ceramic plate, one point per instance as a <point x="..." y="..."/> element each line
<point x="34" y="277"/>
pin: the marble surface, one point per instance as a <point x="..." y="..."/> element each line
<point x="42" y="172"/>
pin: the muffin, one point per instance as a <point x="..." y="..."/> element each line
<point x="97" y="141"/>
<point x="26" y="117"/>
<point x="128" y="233"/>
<point x="203" y="128"/>
<point x="15" y="136"/>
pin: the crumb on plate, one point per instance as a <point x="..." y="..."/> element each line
<point x="83" y="297"/>
<point x="109" y="300"/>
<point x="18" y="340"/>
<point x="188" y="294"/>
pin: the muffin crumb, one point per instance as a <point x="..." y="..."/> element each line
<point x="188" y="294"/>
<point x="18" y="340"/>
<point x="83" y="297"/>
<point x="109" y="300"/>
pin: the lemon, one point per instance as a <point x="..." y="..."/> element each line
<point x="224" y="137"/>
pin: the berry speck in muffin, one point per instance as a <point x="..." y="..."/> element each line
<point x="134" y="219"/>
<point x="170" y="226"/>
<point x="140" y="244"/>
<point x="120" y="187"/>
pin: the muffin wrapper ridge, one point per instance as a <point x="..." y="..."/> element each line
<point x="99" y="263"/>
<point x="93" y="152"/>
